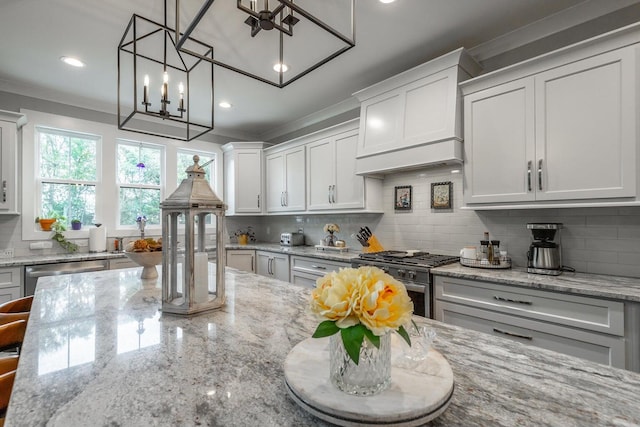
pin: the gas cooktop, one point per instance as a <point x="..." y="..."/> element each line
<point x="423" y="259"/>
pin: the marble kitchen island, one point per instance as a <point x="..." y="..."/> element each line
<point x="98" y="352"/>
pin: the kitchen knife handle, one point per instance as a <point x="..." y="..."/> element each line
<point x="497" y="298"/>
<point x="529" y="175"/>
<point x="540" y="174"/>
<point x="511" y="334"/>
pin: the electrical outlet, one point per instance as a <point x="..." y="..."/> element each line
<point x="6" y="253"/>
<point x="82" y="243"/>
<point x="301" y="230"/>
<point x="41" y="245"/>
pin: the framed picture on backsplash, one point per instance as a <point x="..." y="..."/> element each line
<point x="403" y="198"/>
<point x="441" y="195"/>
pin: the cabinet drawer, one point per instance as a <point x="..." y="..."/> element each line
<point x="605" y="349"/>
<point x="118" y="263"/>
<point x="10" y="277"/>
<point x="304" y="279"/>
<point x="570" y="310"/>
<point x="315" y="266"/>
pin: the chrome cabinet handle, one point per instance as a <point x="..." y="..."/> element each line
<point x="286" y="198"/>
<point x="252" y="268"/>
<point x="269" y="266"/>
<point x="497" y="298"/>
<point x="319" y="267"/>
<point x="258" y="200"/>
<point x="329" y="193"/>
<point x="511" y="334"/>
<point x="540" y="174"/>
<point x="4" y="191"/>
<point x="529" y="175"/>
<point x="333" y="194"/>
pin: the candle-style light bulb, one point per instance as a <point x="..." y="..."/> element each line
<point x="181" y="91"/>
<point x="145" y="96"/>
<point x="165" y="77"/>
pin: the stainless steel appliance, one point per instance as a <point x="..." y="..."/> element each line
<point x="33" y="272"/>
<point x="291" y="239"/>
<point x="412" y="269"/>
<point x="545" y="252"/>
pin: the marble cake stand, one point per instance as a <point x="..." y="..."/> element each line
<point x="420" y="390"/>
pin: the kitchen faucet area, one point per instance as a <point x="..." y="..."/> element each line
<point x="359" y="213"/>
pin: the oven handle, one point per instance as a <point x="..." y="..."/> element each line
<point x="414" y="287"/>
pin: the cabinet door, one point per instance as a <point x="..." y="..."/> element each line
<point x="275" y="182"/>
<point x="263" y="263"/>
<point x="499" y="144"/>
<point x="348" y="192"/>
<point x="295" y="191"/>
<point x="241" y="259"/>
<point x="380" y="121"/>
<point x="7" y="167"/>
<point x="321" y="172"/>
<point x="248" y="177"/>
<point x="585" y="128"/>
<point x="280" y="267"/>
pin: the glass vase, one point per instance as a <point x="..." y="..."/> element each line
<point x="370" y="376"/>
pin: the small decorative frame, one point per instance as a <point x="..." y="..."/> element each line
<point x="403" y="198"/>
<point x="441" y="195"/>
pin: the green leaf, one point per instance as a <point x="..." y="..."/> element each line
<point x="404" y="334"/>
<point x="326" y="329"/>
<point x="352" y="338"/>
<point x="375" y="340"/>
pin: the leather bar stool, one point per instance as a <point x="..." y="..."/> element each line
<point x="6" y="386"/>
<point x="12" y="335"/>
<point x="17" y="309"/>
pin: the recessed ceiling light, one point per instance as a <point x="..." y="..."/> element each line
<point x="74" y="62"/>
<point x="225" y="104"/>
<point x="387" y="1"/>
<point x="279" y="66"/>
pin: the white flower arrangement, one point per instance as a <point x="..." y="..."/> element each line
<point x="331" y="228"/>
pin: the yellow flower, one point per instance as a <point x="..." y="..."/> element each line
<point x="384" y="304"/>
<point x="334" y="297"/>
<point x="366" y="295"/>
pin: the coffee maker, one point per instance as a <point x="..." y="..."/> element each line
<point x="545" y="253"/>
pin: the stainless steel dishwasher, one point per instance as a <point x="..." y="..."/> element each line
<point x="33" y="272"/>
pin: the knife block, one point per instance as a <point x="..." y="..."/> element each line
<point x="374" y="245"/>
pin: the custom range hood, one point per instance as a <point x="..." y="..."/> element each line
<point x="414" y="119"/>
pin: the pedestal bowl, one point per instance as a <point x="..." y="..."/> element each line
<point x="147" y="260"/>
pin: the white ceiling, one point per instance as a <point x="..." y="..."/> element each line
<point x="390" y="38"/>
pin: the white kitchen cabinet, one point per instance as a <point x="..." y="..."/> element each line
<point x="306" y="270"/>
<point x="242" y="259"/>
<point x="10" y="123"/>
<point x="590" y="328"/>
<point x="564" y="131"/>
<point x="414" y="119"/>
<point x="285" y="179"/>
<point x="10" y="283"/>
<point x="272" y="265"/>
<point x="332" y="182"/>
<point x="243" y="177"/>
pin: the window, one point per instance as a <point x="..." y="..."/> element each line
<point x="67" y="174"/>
<point x="139" y="178"/>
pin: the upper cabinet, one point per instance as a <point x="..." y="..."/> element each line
<point x="10" y="123"/>
<point x="285" y="179"/>
<point x="556" y="130"/>
<point x="332" y="182"/>
<point x="243" y="171"/>
<point x="414" y="119"/>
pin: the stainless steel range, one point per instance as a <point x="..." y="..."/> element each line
<point x="412" y="269"/>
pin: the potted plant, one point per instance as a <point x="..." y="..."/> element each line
<point x="58" y="227"/>
<point x="244" y="235"/>
<point x="47" y="222"/>
<point x="76" y="224"/>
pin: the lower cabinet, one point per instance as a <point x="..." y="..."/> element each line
<point x="242" y="259"/>
<point x="10" y="283"/>
<point x="589" y="328"/>
<point x="272" y="265"/>
<point x="306" y="270"/>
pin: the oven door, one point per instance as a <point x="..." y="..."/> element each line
<point x="421" y="298"/>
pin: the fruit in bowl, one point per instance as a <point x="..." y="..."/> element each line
<point x="147" y="253"/>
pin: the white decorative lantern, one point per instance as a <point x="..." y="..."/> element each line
<point x="186" y="281"/>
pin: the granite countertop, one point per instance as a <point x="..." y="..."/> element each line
<point x="98" y="351"/>
<point x="271" y="247"/>
<point x="595" y="285"/>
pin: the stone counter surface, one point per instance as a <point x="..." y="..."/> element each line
<point x="98" y="352"/>
<point x="613" y="287"/>
<point x="271" y="247"/>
